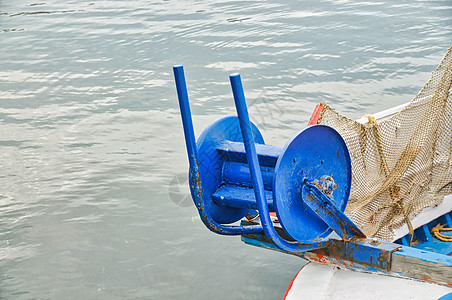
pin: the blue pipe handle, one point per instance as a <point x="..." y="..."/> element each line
<point x="195" y="176"/>
<point x="256" y="176"/>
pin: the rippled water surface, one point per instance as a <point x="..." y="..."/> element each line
<point x="91" y="140"/>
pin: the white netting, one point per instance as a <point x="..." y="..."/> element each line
<point x="403" y="164"/>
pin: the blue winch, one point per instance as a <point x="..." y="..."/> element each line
<point x="233" y="173"/>
<point x="307" y="183"/>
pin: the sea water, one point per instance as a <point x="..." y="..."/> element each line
<point x="94" y="201"/>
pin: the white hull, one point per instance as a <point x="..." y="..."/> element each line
<point x="321" y="282"/>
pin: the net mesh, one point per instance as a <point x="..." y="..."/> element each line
<point x="403" y="164"/>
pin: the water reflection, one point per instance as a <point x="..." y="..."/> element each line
<point x="91" y="136"/>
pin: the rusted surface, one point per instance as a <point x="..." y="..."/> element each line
<point x="384" y="257"/>
<point x="364" y="255"/>
<point x="199" y="202"/>
<point x="319" y="202"/>
<point x="357" y="251"/>
<point x="357" y="233"/>
<point x="424" y="265"/>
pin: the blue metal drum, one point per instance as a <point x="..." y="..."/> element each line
<point x="315" y="153"/>
<point x="233" y="173"/>
<point x="211" y="165"/>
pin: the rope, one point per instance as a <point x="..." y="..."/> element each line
<point x="436" y="231"/>
<point x="396" y="204"/>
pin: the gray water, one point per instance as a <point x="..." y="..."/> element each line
<point x="92" y="157"/>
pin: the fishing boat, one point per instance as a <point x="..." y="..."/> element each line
<point x="389" y="224"/>
<point x="328" y="281"/>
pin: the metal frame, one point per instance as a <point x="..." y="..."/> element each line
<point x="352" y="250"/>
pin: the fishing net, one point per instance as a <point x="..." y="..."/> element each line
<point x="402" y="164"/>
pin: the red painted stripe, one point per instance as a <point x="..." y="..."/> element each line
<point x="316" y="114"/>
<point x="291" y="283"/>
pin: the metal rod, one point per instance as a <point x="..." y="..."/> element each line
<point x="329" y="213"/>
<point x="185" y="112"/>
<point x="195" y="177"/>
<point x="256" y="176"/>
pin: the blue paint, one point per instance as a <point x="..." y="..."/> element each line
<point x="405" y="241"/>
<point x="362" y="251"/>
<point x="312" y="153"/>
<point x="196" y="169"/>
<point x="234" y="151"/>
<point x="359" y="254"/>
<point x="256" y="176"/>
<point x="448" y="220"/>
<point x="423" y="233"/>
<point x="425" y="241"/>
<point x="230" y="163"/>
<point x="243" y="197"/>
<point x="233" y="173"/>
<point x="323" y="207"/>
<point x="427" y="256"/>
<point x="446" y="297"/>
<point x="211" y="165"/>
<point x="184" y="106"/>
<point x="239" y="174"/>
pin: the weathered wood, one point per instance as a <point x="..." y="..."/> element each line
<point x="424" y="265"/>
<point x="404" y="261"/>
